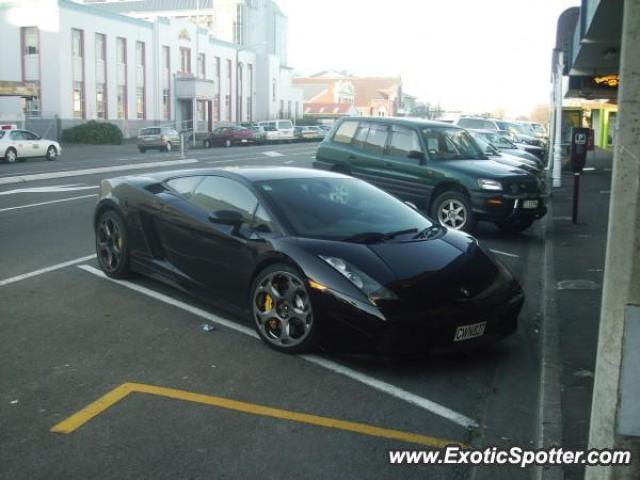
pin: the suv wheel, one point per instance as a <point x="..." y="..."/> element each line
<point x="453" y="210"/>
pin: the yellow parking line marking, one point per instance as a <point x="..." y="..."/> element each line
<point x="75" y="421"/>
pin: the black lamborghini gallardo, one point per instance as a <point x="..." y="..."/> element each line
<point x="315" y="258"/>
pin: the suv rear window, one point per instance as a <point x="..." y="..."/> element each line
<point x="150" y="131"/>
<point x="345" y="132"/>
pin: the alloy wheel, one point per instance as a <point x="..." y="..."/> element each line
<point x="11" y="156"/>
<point x="52" y="153"/>
<point x="110" y="243"/>
<point x="452" y="213"/>
<point x="282" y="309"/>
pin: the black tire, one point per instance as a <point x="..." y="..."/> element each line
<point x="452" y="200"/>
<point x="142" y="150"/>
<point x="115" y="266"/>
<point x="268" y="322"/>
<point x="52" y="153"/>
<point x="515" y="226"/>
<point x="11" y="156"/>
<point x="168" y="147"/>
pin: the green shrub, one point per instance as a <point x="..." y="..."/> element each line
<point x="96" y="133"/>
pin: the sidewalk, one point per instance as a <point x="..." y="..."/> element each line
<point x="578" y="255"/>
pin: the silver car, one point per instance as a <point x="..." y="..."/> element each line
<point x="159" y="138"/>
<point x="17" y="145"/>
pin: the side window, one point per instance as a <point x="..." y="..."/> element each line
<point x="404" y="140"/>
<point x="218" y="193"/>
<point x="361" y="135"/>
<point x="376" y="139"/>
<point x="487" y="125"/>
<point x="184" y="185"/>
<point x="262" y="222"/>
<point x="17" y="135"/>
<point x="29" y="135"/>
<point x="345" y="132"/>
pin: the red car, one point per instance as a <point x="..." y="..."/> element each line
<point x="228" y="136"/>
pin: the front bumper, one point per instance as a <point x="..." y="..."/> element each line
<point x="499" y="207"/>
<point x="348" y="325"/>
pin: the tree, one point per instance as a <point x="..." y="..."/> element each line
<point x="540" y="113"/>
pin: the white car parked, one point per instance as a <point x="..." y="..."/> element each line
<point x="278" y="130"/>
<point x="18" y="145"/>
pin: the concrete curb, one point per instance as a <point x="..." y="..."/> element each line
<point x="549" y="425"/>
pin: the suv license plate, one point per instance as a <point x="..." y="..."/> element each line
<point x="530" y="204"/>
<point x="465" y="332"/>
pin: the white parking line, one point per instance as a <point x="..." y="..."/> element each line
<point x="499" y="252"/>
<point x="93" y="171"/>
<point x="273" y="154"/>
<point x="35" y="273"/>
<point x="60" y="200"/>
<point x="50" y="189"/>
<point x="404" y="395"/>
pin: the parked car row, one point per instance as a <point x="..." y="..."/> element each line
<point x="456" y="176"/>
<point x="273" y="131"/>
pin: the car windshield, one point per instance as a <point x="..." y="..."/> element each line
<point x="338" y="208"/>
<point x="451" y="144"/>
<point x="150" y="131"/>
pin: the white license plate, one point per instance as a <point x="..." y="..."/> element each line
<point x="465" y="332"/>
<point x="244" y="140"/>
<point x="530" y="204"/>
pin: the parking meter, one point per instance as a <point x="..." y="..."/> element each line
<point x="579" y="147"/>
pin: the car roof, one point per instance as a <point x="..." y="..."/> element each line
<point x="407" y="122"/>
<point x="250" y="174"/>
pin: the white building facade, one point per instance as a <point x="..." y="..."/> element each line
<point x="86" y="63"/>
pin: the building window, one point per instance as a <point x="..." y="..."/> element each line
<point x="166" y="83"/>
<point x="77" y="56"/>
<point x="289" y="112"/>
<point x="273" y="90"/>
<point x="281" y="112"/>
<point x="141" y="112"/>
<point x="201" y="110"/>
<point x="227" y="105"/>
<point x="121" y="80"/>
<point x="77" y="100"/>
<point x="101" y="76"/>
<point x="201" y="66"/>
<point x="185" y="60"/>
<point x="122" y="101"/>
<point x="31" y="106"/>
<point x="216" y="100"/>
<point x="31" y="42"/>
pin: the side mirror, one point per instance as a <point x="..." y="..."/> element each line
<point x="417" y="155"/>
<point x="226" y="217"/>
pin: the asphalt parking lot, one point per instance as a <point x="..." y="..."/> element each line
<point x="119" y="380"/>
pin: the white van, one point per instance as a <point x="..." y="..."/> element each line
<point x="278" y="130"/>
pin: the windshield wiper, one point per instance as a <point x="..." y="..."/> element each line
<point x="428" y="232"/>
<point x="374" y="237"/>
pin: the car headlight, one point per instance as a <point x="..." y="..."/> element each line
<point x="361" y="280"/>
<point x="487" y="184"/>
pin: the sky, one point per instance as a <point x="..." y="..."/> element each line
<point x="473" y="56"/>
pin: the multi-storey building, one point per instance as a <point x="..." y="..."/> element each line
<point x="77" y="62"/>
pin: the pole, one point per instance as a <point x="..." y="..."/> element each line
<point x="557" y="147"/>
<point x="182" y="145"/>
<point x="237" y="85"/>
<point x="576" y="195"/>
<point x="621" y="286"/>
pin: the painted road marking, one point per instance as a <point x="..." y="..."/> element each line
<point x="392" y="390"/>
<point x="75" y="421"/>
<point x="273" y="154"/>
<point x="60" y="200"/>
<point x="93" y="171"/>
<point x="506" y="254"/>
<point x="35" y="273"/>
<point x="51" y="189"/>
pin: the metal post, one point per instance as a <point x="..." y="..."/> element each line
<point x="557" y="147"/>
<point x="182" y="145"/>
<point x="576" y="195"/>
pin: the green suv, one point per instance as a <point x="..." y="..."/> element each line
<point x="436" y="166"/>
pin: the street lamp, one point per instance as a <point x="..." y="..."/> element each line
<point x="238" y="50"/>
